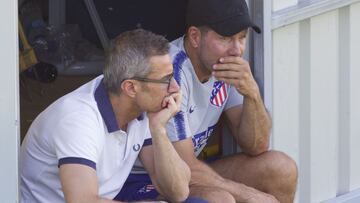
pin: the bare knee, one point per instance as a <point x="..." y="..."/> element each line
<point x="212" y="195"/>
<point x="282" y="166"/>
<point x="281" y="171"/>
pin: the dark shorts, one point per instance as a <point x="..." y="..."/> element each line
<point x="139" y="187"/>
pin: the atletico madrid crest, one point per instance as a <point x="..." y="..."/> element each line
<point x="218" y="94"/>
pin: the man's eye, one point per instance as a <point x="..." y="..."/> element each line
<point x="225" y="38"/>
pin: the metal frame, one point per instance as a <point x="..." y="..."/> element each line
<point x="257" y="43"/>
<point x="267" y="52"/>
<point x="97" y="23"/>
<point x="57" y="17"/>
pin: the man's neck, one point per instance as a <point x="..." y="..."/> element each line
<point x="124" y="109"/>
<point x="201" y="72"/>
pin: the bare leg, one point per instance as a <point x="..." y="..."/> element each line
<point x="272" y="172"/>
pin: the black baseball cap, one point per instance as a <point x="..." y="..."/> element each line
<point x="226" y="17"/>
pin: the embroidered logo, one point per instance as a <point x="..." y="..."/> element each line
<point x="136" y="147"/>
<point x="218" y="94"/>
<point x="191" y="109"/>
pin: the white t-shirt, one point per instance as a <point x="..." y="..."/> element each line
<point x="202" y="104"/>
<point x="80" y="128"/>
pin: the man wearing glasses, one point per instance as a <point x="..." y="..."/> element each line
<point x="83" y="146"/>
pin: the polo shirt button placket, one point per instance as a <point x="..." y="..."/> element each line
<point x="120" y="136"/>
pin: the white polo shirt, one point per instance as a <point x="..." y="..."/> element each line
<point x="80" y="128"/>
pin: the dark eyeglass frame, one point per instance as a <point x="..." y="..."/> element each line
<point x="160" y="81"/>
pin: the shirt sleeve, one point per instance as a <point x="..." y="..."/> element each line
<point x="78" y="139"/>
<point x="234" y="98"/>
<point x="178" y="127"/>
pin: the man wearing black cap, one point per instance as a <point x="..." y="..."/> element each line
<point x="214" y="78"/>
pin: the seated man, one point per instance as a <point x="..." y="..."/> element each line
<point x="215" y="79"/>
<point x="83" y="146"/>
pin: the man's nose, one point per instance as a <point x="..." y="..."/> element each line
<point x="236" y="49"/>
<point x="173" y="86"/>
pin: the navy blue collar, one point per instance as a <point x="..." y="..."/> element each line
<point x="104" y="105"/>
<point x="106" y="109"/>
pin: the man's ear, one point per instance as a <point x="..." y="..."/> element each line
<point x="129" y="88"/>
<point x="194" y="35"/>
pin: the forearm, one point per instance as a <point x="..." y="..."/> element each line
<point x="203" y="175"/>
<point x="172" y="173"/>
<point x="254" y="127"/>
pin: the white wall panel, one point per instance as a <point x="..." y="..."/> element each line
<point x="9" y="102"/>
<point x="286" y="90"/>
<point x="304" y="189"/>
<point x="344" y="102"/>
<point x="324" y="105"/>
<point x="316" y="97"/>
<point x="355" y="96"/>
<point x="281" y="4"/>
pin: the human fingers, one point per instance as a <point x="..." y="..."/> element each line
<point x="245" y="66"/>
<point x="227" y="74"/>
<point x="263" y="198"/>
<point x="235" y="78"/>
<point x="267" y="198"/>
<point x="165" y="102"/>
<point x="233" y="59"/>
<point x="172" y="105"/>
<point x="177" y="97"/>
<point x="230" y="74"/>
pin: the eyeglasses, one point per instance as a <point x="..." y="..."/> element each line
<point x="166" y="80"/>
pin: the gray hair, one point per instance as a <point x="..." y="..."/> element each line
<point x="129" y="54"/>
